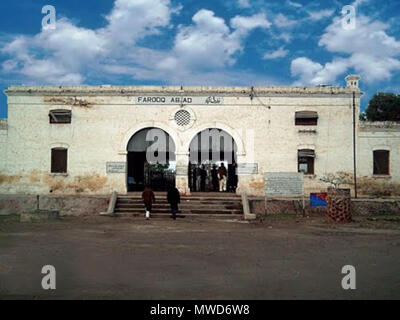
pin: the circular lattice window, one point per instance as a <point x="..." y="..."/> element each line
<point x="182" y="118"/>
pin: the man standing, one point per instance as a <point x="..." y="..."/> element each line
<point x="198" y="178"/>
<point x="203" y="177"/>
<point x="194" y="179"/>
<point x="173" y="198"/>
<point x="222" y="177"/>
<point x="148" y="200"/>
<point x="232" y="177"/>
<point x="214" y="178"/>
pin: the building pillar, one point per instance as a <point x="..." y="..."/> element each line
<point x="118" y="181"/>
<point x="182" y="178"/>
<point x="241" y="158"/>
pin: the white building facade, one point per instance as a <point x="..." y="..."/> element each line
<point x="74" y="140"/>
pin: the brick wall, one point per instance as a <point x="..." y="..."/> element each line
<point x="67" y="205"/>
<point x="359" y="207"/>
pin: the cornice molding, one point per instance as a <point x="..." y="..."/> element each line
<point x="178" y="91"/>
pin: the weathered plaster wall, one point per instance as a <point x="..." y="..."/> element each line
<point x="379" y="136"/>
<point x="277" y="139"/>
<point x="104" y="119"/>
<point x="3" y="145"/>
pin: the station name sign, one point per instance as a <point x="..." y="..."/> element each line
<point x="116" y="167"/>
<point x="247" y="168"/>
<point x="160" y="100"/>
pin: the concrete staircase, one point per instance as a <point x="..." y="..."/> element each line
<point x="217" y="205"/>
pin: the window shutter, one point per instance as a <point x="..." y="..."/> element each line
<point x="306" y="118"/>
<point x="307" y="153"/>
<point x="381" y="162"/>
<point x="59" y="160"/>
<point x="60" y="116"/>
<point x="306" y="158"/>
<point x="307" y="115"/>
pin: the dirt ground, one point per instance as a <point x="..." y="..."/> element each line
<point x="281" y="257"/>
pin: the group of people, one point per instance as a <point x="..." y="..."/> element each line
<point x="222" y="179"/>
<point x="217" y="179"/>
<point x="173" y="198"/>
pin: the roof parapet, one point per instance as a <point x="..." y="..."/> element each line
<point x="379" y="125"/>
<point x="157" y="90"/>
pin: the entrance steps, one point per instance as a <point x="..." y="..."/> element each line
<point x="218" y="205"/>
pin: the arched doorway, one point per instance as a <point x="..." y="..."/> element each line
<point x="209" y="150"/>
<point x="151" y="160"/>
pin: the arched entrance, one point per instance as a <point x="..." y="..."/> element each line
<point x="210" y="150"/>
<point x="151" y="160"/>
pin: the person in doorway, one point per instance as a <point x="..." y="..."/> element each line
<point x="232" y="177"/>
<point x="131" y="183"/>
<point x="222" y="177"/>
<point x="148" y="200"/>
<point x="203" y="176"/>
<point x="214" y="178"/>
<point x="174" y="198"/>
<point x="194" y="179"/>
<point x="198" y="178"/>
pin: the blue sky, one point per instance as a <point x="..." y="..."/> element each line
<point x="208" y="42"/>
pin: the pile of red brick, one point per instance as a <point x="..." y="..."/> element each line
<point x="339" y="205"/>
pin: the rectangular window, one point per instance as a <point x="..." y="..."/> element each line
<point x="381" y="162"/>
<point x="306" y="118"/>
<point x="60" y="116"/>
<point x="306" y="161"/>
<point x="59" y="160"/>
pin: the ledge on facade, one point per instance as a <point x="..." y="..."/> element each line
<point x="308" y="131"/>
<point x="379" y="126"/>
<point x="157" y="90"/>
<point x="382" y="176"/>
<point x="3" y="124"/>
<point x="53" y="174"/>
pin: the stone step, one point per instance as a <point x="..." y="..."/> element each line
<point x="183" y="211"/>
<point x="204" y="201"/>
<point x="194" y="194"/>
<point x="202" y="205"/>
<point x="187" y="199"/>
<point x="181" y="216"/>
<point x="185" y="202"/>
<point x="183" y="206"/>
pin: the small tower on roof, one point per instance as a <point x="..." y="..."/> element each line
<point x="353" y="81"/>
